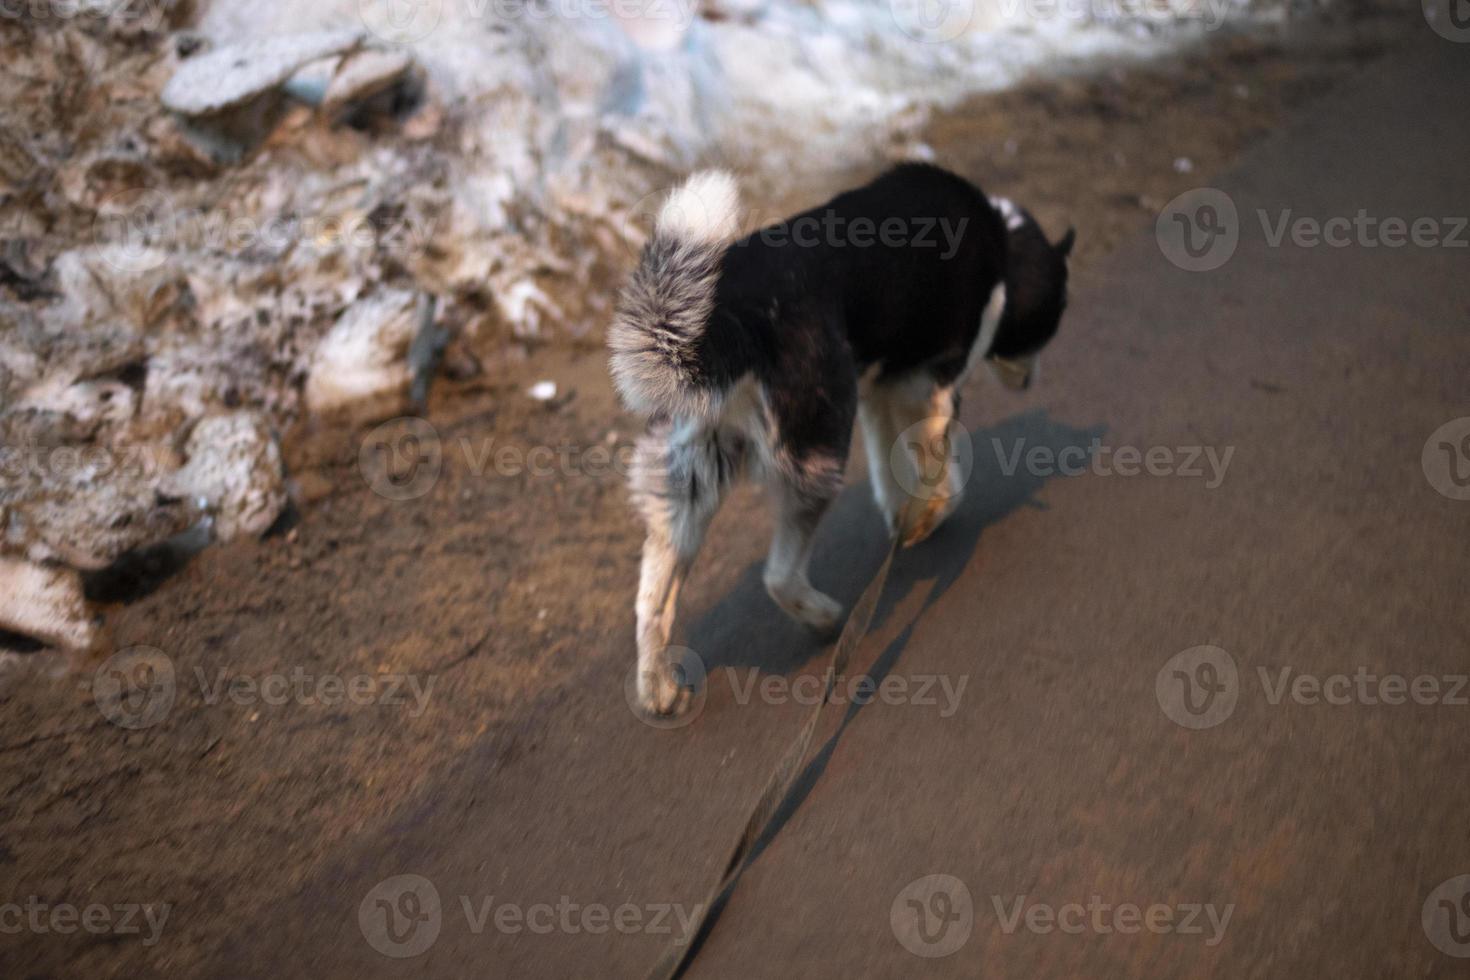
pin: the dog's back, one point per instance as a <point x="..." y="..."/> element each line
<point x="901" y="268"/>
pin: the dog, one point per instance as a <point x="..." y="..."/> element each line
<point x="756" y="354"/>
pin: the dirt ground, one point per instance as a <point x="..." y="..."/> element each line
<point x="458" y="607"/>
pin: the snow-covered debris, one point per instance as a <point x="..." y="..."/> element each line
<point x="365" y="355"/>
<point x="45" y="603"/>
<point x="237" y="73"/>
<point x="234" y="469"/>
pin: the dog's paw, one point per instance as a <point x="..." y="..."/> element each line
<point x="663" y="691"/>
<point x="815" y="610"/>
<point x="934" y="514"/>
<point x="921" y="528"/>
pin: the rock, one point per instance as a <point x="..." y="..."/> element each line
<point x="363" y="75"/>
<point x="365" y="354"/>
<point x="234" y="467"/>
<point x="235" y="74"/>
<point x="232" y="97"/>
<point x="46" y="603"/>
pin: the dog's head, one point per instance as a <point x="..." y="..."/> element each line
<point x="1036" y="296"/>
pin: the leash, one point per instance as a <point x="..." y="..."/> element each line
<point x="784" y="775"/>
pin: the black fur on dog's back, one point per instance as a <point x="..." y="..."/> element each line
<point x="900" y="306"/>
<point x="808" y="304"/>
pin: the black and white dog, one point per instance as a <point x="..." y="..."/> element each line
<point x="757" y="353"/>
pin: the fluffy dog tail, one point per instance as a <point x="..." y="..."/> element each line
<point x="657" y="361"/>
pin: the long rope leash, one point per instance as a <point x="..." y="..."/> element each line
<point x="778" y="786"/>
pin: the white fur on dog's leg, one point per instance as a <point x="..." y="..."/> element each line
<point x="658" y="595"/>
<point x="677" y="481"/>
<point x="878" y="437"/>
<point x="786" y="566"/>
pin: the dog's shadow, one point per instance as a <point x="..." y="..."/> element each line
<point x="746" y="629"/>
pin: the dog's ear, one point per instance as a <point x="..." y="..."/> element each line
<point x="1065" y="243"/>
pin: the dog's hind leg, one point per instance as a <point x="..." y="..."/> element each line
<point x="800" y="504"/>
<point x="678" y="478"/>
